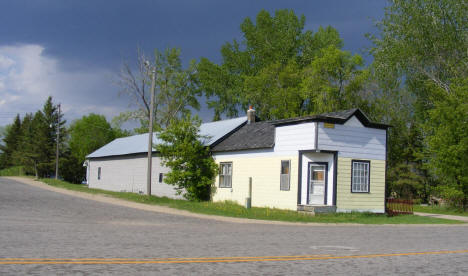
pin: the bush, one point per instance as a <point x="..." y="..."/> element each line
<point x="452" y="196"/>
<point x="193" y="169"/>
<point x="13" y="171"/>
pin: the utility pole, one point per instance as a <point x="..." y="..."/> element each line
<point x="150" y="130"/>
<point x="58" y="141"/>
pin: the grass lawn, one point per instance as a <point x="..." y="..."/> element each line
<point x="234" y="210"/>
<point x="439" y="210"/>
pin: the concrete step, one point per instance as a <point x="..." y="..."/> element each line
<point x="316" y="209"/>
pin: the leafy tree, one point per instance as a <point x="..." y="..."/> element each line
<point x="422" y="50"/>
<point x="176" y="88"/>
<point x="334" y="81"/>
<point x="88" y="134"/>
<point x="448" y="142"/>
<point x="85" y="136"/>
<point x="183" y="151"/>
<point x="12" y="136"/>
<point x="423" y="40"/>
<point x="267" y="69"/>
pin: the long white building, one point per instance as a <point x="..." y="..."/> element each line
<point x="327" y="162"/>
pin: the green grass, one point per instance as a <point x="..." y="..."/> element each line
<point x="444" y="210"/>
<point x="231" y="209"/>
<point x="13" y="171"/>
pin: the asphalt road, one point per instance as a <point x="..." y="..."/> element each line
<point x="42" y="232"/>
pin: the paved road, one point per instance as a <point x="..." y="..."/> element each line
<point x="38" y="225"/>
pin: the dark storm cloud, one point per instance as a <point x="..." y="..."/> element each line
<point x="86" y="41"/>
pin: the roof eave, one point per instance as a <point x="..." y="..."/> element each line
<point x="242" y="149"/>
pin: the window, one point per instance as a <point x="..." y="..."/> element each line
<point x="99" y="173"/>
<point x="225" y="175"/>
<point x="360" y="176"/>
<point x="285" y="175"/>
<point x="161" y="177"/>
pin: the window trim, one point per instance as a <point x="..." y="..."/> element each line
<point x="99" y="173"/>
<point x="161" y="178"/>
<point x="289" y="174"/>
<point x="219" y="177"/>
<point x="368" y="176"/>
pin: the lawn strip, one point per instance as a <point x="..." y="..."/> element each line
<point x="230" y="209"/>
<point x="442" y="210"/>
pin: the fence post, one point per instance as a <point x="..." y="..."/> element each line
<point x="248" y="200"/>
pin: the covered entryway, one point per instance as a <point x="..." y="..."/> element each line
<point x="317" y="178"/>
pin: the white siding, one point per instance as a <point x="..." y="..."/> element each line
<point x="353" y="122"/>
<point x="353" y="140"/>
<point x="295" y="137"/>
<point x="128" y="174"/>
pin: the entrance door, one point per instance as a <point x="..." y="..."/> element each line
<point x="317" y="183"/>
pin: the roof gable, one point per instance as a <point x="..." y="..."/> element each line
<point x="338" y="117"/>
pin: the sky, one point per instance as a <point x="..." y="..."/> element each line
<point x="73" y="50"/>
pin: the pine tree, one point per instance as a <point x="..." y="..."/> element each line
<point x="47" y="125"/>
<point x="11" y="141"/>
<point x="28" y="146"/>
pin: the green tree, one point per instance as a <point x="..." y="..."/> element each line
<point x="85" y="136"/>
<point x="176" y="88"/>
<point x="192" y="168"/>
<point x="29" y="149"/>
<point x="422" y="50"/>
<point x="334" y="81"/>
<point x="47" y="125"/>
<point x="267" y="68"/>
<point x="448" y="142"/>
<point x="10" y="143"/>
<point x="423" y="40"/>
<point x="88" y="134"/>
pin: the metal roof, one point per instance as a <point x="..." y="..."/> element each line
<point x="139" y="143"/>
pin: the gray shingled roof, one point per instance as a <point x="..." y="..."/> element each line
<point x="250" y="136"/>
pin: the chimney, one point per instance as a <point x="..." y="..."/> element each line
<point x="250" y="115"/>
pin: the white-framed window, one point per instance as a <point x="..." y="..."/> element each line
<point x="360" y="176"/>
<point x="225" y="175"/>
<point x="161" y="177"/>
<point x="99" y="173"/>
<point x="285" y="175"/>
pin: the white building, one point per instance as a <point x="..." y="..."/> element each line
<point x="122" y="164"/>
<point x="327" y="162"/>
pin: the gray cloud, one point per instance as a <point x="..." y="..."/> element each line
<point x="27" y="78"/>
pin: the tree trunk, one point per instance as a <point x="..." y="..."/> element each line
<point x="35" y="170"/>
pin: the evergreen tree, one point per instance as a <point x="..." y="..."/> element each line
<point x="11" y="141"/>
<point x="48" y="122"/>
<point x="29" y="145"/>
